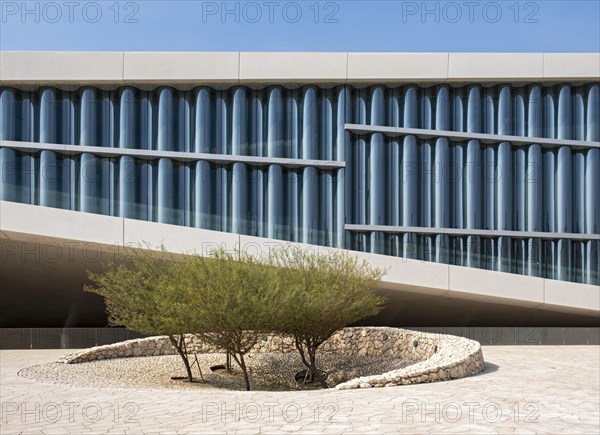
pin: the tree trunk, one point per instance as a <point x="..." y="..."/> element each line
<point x="300" y="348"/>
<point x="315" y="372"/>
<point x="245" y="371"/>
<point x="179" y="347"/>
<point x="242" y="363"/>
<point x="228" y="361"/>
<point x="312" y="373"/>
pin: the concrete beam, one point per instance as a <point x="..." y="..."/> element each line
<point x="292" y="67"/>
<point x="495" y="66"/>
<point x="403" y="275"/>
<point x="180" y="67"/>
<point x="174" y="155"/>
<point x="228" y="68"/>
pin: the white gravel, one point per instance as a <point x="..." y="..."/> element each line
<point x="268" y="371"/>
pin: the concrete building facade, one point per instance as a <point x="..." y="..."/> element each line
<point x="457" y="168"/>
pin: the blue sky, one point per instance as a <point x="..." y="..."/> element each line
<point x="280" y="25"/>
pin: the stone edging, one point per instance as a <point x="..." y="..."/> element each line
<point x="454" y="357"/>
<point x="433" y="357"/>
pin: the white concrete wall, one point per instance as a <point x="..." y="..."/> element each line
<point x="234" y="67"/>
<point x="20" y="220"/>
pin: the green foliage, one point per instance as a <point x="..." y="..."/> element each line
<point x="236" y="294"/>
<point x="235" y="291"/>
<point x="230" y="301"/>
<point x="320" y="294"/>
<point x="324" y="293"/>
<point x="141" y="294"/>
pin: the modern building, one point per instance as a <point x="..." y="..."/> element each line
<point x="475" y="178"/>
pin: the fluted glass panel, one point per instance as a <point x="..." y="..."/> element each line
<point x="376" y="158"/>
<point x="529" y="123"/>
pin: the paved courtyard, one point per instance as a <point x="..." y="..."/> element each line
<point x="524" y="389"/>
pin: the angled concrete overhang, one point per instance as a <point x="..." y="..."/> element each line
<point x="230" y="68"/>
<point x="62" y="229"/>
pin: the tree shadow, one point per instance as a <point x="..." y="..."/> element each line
<point x="489" y="368"/>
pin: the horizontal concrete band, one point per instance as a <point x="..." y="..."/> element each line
<point x="290" y="67"/>
<point x="455" y="136"/>
<point x="173" y="155"/>
<point x="471" y="232"/>
<point x="43" y="224"/>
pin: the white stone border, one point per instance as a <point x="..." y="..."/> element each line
<point x="456" y="357"/>
<point x="434" y="357"/>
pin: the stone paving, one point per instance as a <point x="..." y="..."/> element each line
<point x="524" y="389"/>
